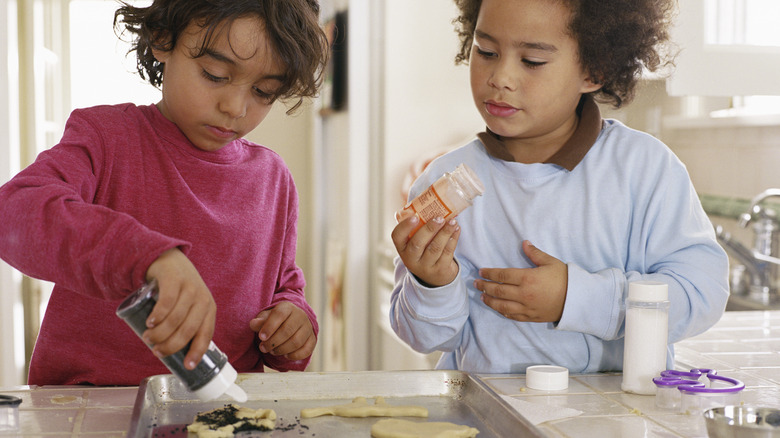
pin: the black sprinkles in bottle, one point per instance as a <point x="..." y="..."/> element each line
<point x="135" y="310"/>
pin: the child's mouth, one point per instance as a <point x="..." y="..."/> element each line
<point x="499" y="109"/>
<point x="221" y="132"/>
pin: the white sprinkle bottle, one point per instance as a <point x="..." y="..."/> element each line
<point x="646" y="336"/>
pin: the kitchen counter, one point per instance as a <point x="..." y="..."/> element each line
<point x="743" y="345"/>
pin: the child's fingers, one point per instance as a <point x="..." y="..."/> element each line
<point x="288" y="339"/>
<point x="401" y="232"/>
<point x="169" y="269"/>
<point x="166" y="301"/>
<point x="257" y="323"/>
<point x="269" y="325"/>
<point x="192" y="314"/>
<point x="508" y="308"/>
<point x="440" y="245"/>
<point x="185" y="310"/>
<point x="290" y="335"/>
<point x="501" y="291"/>
<point x="418" y="243"/>
<point x="165" y="318"/>
<point x="283" y="333"/>
<point x="452" y="244"/>
<point x="305" y="350"/>
<point x="175" y="331"/>
<point x="504" y="291"/>
<point x="200" y="343"/>
<point x="522" y="294"/>
<point x="501" y="275"/>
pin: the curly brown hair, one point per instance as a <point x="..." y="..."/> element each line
<point x="292" y="27"/>
<point x="617" y="40"/>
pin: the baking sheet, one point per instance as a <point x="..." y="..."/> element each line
<point x="164" y="407"/>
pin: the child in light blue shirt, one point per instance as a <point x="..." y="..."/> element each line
<point x="575" y="207"/>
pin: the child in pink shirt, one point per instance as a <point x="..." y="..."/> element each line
<point x="173" y="192"/>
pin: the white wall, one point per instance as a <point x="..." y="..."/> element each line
<point x="290" y="136"/>
<point x="426" y="108"/>
<point x="428" y="103"/>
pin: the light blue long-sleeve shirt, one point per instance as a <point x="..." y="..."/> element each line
<point x="628" y="211"/>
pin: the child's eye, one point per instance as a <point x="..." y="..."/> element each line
<point x="485" y="53"/>
<point x="263" y="94"/>
<point x="212" y="77"/>
<point x="533" y="64"/>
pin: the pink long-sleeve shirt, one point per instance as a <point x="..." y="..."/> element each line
<point x="123" y="186"/>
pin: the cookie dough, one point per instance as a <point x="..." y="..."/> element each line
<point x="230" y="419"/>
<point x="395" y="428"/>
<point x="361" y="408"/>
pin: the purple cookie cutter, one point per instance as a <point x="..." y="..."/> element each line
<point x="688" y="381"/>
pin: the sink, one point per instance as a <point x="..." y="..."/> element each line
<point x="741" y="302"/>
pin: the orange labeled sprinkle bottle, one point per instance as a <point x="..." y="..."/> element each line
<point x="447" y="197"/>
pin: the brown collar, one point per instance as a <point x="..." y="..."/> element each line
<point x="575" y="148"/>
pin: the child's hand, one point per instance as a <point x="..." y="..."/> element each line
<point x="430" y="253"/>
<point x="285" y="330"/>
<point x="532" y="294"/>
<point x="185" y="310"/>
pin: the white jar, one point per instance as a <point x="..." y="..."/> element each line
<point x="646" y="336"/>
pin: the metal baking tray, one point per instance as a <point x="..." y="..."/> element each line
<point x="164" y="407"/>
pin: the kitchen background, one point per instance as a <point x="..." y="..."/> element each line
<point x="394" y="98"/>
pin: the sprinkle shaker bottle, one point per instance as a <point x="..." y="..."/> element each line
<point x="646" y="336"/>
<point x="211" y="378"/>
<point x="447" y="197"/>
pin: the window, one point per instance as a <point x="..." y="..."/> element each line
<point x="728" y="48"/>
<point x="742" y="22"/>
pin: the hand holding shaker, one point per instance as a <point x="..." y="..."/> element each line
<point x="211" y="378"/>
<point x="646" y="336"/>
<point x="447" y="197"/>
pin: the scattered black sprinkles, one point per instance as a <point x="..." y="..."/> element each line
<point x="302" y="428"/>
<point x="219" y="417"/>
<point x="227" y="416"/>
<point x="177" y="430"/>
<point x="224" y="416"/>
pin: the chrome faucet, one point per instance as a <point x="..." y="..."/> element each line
<point x="759" y="288"/>
<point x="761" y="262"/>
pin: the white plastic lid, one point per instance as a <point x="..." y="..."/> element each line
<point x="547" y="377"/>
<point x="648" y="291"/>
<point x="222" y="383"/>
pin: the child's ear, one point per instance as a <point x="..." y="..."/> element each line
<point x="589" y="85"/>
<point x="159" y="53"/>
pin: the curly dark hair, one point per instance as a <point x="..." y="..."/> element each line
<point x="617" y="40"/>
<point x="292" y="27"/>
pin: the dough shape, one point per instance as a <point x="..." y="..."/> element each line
<point x="224" y="422"/>
<point x="395" y="428"/>
<point x="360" y="408"/>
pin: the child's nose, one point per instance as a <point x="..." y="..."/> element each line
<point x="504" y="75"/>
<point x="233" y="103"/>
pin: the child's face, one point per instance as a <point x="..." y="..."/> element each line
<point x="221" y="96"/>
<point x="526" y="79"/>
